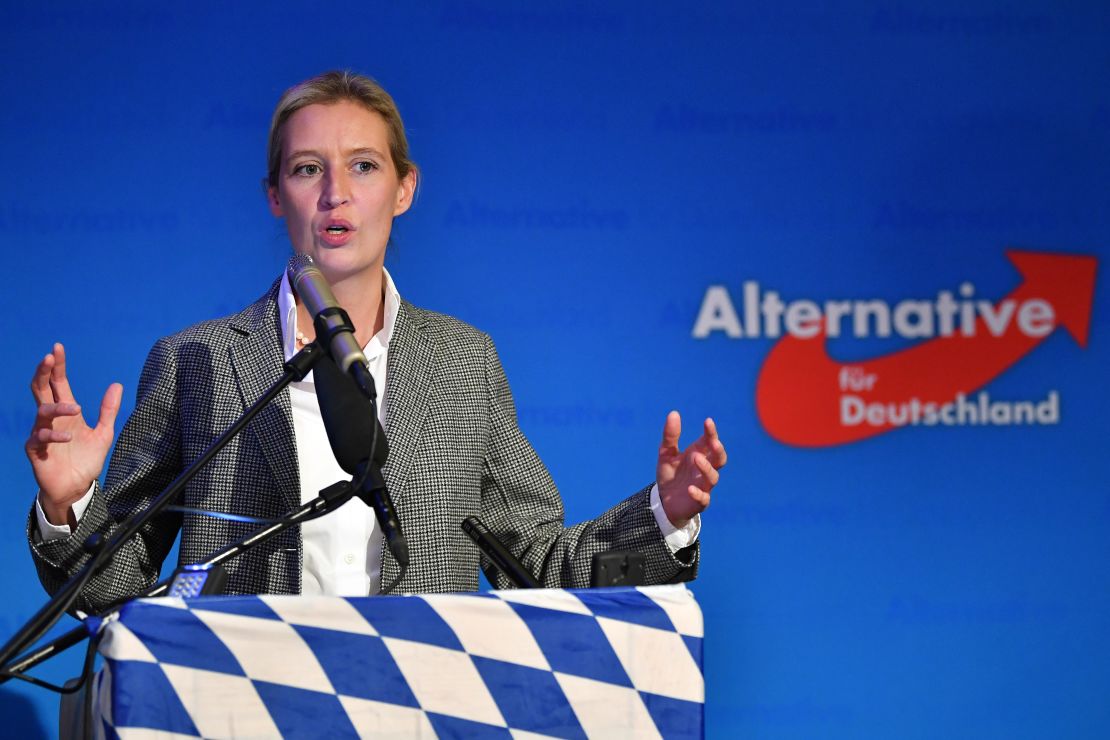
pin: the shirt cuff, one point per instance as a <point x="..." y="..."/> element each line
<point x="676" y="538"/>
<point x="61" y="531"/>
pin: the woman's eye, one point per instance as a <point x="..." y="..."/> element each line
<point x="365" y="166"/>
<point x="308" y="170"/>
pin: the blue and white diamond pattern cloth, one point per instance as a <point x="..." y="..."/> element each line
<point x="605" y="663"/>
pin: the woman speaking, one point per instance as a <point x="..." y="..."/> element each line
<point x="339" y="172"/>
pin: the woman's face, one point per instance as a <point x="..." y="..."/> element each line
<point x="338" y="190"/>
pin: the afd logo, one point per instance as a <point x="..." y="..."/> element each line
<point x="806" y="398"/>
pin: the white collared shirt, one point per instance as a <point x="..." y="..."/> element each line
<point x="342" y="551"/>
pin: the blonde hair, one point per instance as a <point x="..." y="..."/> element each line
<point x="334" y="87"/>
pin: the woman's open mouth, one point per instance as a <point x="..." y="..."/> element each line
<point x="337" y="233"/>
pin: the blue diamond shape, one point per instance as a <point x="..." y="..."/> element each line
<point x="573" y="643"/>
<point x="177" y="637"/>
<point x="303" y="713"/>
<point x="675" y="718"/>
<point x="407" y="618"/>
<point x="464" y="729"/>
<point x="152" y="701"/>
<point x="529" y="698"/>
<point x="358" y="665"/>
<point x="693" y="644"/>
<point x="626" y="605"/>
<point x="245" y="606"/>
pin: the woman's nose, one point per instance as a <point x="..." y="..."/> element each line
<point x="336" y="192"/>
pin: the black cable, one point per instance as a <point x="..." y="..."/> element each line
<point x="40" y="683"/>
<point x="386" y="591"/>
<point x="86" y="675"/>
<point x="86" y="671"/>
<point x="366" y="475"/>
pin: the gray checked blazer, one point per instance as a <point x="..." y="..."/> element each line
<point x="455" y="451"/>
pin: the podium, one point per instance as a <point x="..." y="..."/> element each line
<point x="607" y="663"/>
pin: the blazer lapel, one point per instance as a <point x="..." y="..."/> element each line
<point x="257" y="362"/>
<point x="412" y="357"/>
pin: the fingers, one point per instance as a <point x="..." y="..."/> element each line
<point x="672" y="430"/>
<point x="705" y="467"/>
<point x="109" y="407"/>
<point x="704" y="479"/>
<point x="40" y="381"/>
<point x="42" y="437"/>
<point x="715" y="448"/>
<point x="49" y="383"/>
<point x="59" y="383"/>
<point x="43" y="432"/>
<point x="49" y="411"/>
<point x="698" y="495"/>
<point x="46" y="435"/>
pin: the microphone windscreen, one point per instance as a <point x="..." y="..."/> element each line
<point x="348" y="416"/>
<point x="297" y="266"/>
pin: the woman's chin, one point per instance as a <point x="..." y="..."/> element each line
<point x="341" y="267"/>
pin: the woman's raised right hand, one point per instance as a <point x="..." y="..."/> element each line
<point x="66" y="454"/>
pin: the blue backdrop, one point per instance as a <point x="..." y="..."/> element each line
<point x="590" y="171"/>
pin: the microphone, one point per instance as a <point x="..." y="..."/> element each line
<point x="513" y="569"/>
<point x="334" y="329"/>
<point x="349" y="419"/>
<point x="360" y="447"/>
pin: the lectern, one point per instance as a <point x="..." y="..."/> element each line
<point x="605" y="663"/>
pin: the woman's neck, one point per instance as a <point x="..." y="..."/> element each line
<point x="362" y="296"/>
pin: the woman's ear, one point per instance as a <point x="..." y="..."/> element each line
<point x="273" y="199"/>
<point x="406" y="191"/>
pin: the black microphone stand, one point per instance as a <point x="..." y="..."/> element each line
<point x="295" y="369"/>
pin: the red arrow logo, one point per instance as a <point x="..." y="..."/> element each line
<point x="798" y="394"/>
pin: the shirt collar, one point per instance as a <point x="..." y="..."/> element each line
<point x="379" y="343"/>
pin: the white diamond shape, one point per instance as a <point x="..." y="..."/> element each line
<point x="679" y="604"/>
<point x="657" y="661"/>
<point x="444" y="681"/>
<point x="221" y="705"/>
<point x="268" y="650"/>
<point x="120" y="643"/>
<point x="607" y="710"/>
<point x="378" y="719"/>
<point x="325" y="612"/>
<point x="545" y="598"/>
<point x="489" y="628"/>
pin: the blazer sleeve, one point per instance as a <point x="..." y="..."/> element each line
<point x="145" y="460"/>
<point x="521" y="505"/>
